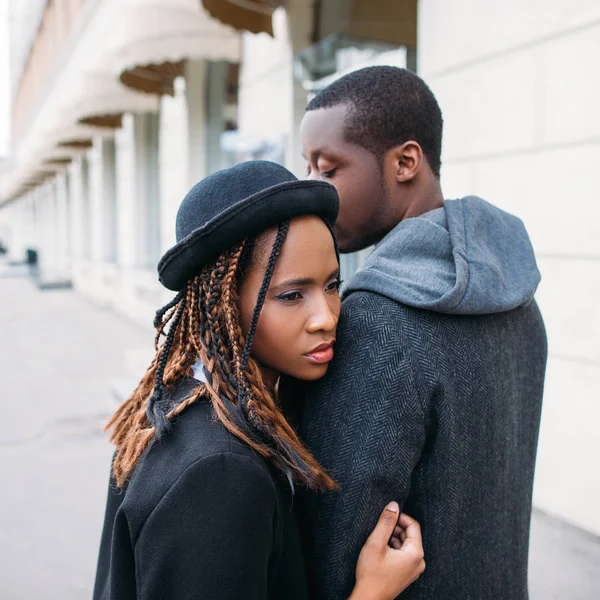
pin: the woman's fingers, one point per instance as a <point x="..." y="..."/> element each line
<point x="412" y="529"/>
<point x="399" y="534"/>
<point x="387" y="565"/>
<point x="395" y="543"/>
<point x="405" y="521"/>
<point x="412" y="542"/>
<point x="380" y="536"/>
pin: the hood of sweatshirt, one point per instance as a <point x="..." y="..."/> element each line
<point x="467" y="257"/>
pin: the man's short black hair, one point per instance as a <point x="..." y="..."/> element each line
<point x="389" y="106"/>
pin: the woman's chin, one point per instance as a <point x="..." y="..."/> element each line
<point x="312" y="374"/>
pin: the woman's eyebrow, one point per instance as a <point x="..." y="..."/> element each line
<point x="293" y="282"/>
<point x="301" y="281"/>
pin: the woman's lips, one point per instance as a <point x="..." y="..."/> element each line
<point x="321" y="354"/>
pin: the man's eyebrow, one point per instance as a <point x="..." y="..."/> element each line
<point x="314" y="155"/>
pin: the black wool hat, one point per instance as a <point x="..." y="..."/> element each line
<point x="230" y="205"/>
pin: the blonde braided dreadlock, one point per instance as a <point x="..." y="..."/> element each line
<point x="203" y="322"/>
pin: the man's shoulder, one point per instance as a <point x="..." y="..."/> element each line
<point x="377" y="312"/>
<point x="363" y="303"/>
<point x="376" y="330"/>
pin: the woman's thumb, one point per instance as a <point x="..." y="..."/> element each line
<point x="384" y="529"/>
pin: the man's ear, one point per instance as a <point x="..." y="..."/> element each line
<point x="407" y="160"/>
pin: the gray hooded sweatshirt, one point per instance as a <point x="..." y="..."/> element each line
<point x="467" y="258"/>
<point x="433" y="400"/>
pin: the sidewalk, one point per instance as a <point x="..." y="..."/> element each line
<point x="59" y="359"/>
<point x="58" y="355"/>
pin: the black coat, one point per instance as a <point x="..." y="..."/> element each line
<point x="441" y="413"/>
<point x="203" y="516"/>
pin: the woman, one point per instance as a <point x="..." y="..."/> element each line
<point x="200" y="505"/>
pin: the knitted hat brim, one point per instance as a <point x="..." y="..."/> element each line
<point x="247" y="218"/>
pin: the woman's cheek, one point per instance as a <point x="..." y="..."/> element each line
<point x="275" y="339"/>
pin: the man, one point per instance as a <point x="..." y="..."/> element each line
<point x="435" y="393"/>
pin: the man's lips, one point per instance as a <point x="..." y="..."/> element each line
<point x="321" y="354"/>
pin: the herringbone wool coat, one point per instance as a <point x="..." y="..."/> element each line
<point x="437" y="411"/>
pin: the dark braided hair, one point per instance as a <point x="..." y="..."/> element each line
<point x="156" y="415"/>
<point x="264" y="288"/>
<point x="203" y="322"/>
<point x="388" y="107"/>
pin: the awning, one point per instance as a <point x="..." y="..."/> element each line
<point x="64" y="137"/>
<point x="250" y="15"/>
<point x="76" y="144"/>
<point x="51" y="151"/>
<point x="384" y="21"/>
<point x="98" y="99"/>
<point x="93" y="106"/>
<point x="38" y="177"/>
<point x="142" y="43"/>
<point x="388" y="21"/>
<point x="154" y="38"/>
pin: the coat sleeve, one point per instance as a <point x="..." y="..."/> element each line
<point x="211" y="535"/>
<point x="365" y="423"/>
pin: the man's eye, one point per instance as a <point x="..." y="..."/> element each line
<point x="290" y="296"/>
<point x="308" y="170"/>
<point x="329" y="174"/>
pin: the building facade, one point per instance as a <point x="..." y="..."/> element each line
<point x="120" y="105"/>
<point x="519" y="87"/>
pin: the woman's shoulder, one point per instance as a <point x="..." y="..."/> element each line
<point x="198" y="451"/>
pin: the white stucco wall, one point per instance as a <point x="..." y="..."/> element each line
<point x="129" y="285"/>
<point x="519" y="89"/>
<point x="173" y="160"/>
<point x="271" y="102"/>
<point x="265" y="92"/>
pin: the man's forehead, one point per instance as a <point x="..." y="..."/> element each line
<point x="322" y="127"/>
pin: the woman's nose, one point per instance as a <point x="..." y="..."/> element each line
<point x="323" y="318"/>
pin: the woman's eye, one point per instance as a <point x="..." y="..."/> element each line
<point x="334" y="285"/>
<point x="290" y="296"/>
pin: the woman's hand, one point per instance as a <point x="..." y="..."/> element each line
<point x="391" y="559"/>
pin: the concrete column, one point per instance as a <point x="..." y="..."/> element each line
<point x="109" y="204"/>
<point x="31" y="217"/>
<point x="174" y="159"/>
<point x="271" y="103"/>
<point x="85" y="223"/>
<point x="196" y="104"/>
<point x="63" y="260"/>
<point x="126" y="191"/>
<point x="102" y="158"/>
<point x="300" y="15"/>
<point x="96" y="201"/>
<point x="46" y="233"/>
<point x="216" y="82"/>
<point x="147" y="193"/>
<point x="18" y="226"/>
<point x="75" y="210"/>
